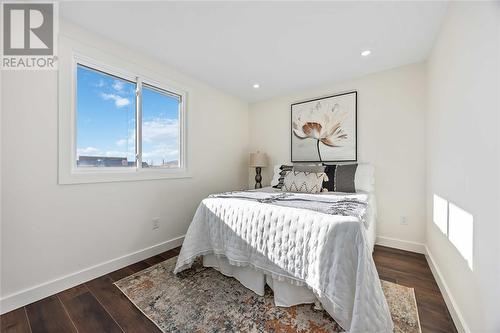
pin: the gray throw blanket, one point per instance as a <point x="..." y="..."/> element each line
<point x="338" y="204"/>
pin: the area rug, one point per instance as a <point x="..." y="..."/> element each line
<point x="203" y="300"/>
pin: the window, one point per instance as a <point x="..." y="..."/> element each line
<point x="160" y="128"/>
<point x="105" y="120"/>
<point x="107" y="114"/>
<point x="119" y="122"/>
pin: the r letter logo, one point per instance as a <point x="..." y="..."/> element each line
<point x="29" y="35"/>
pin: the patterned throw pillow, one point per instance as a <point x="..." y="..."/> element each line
<point x="283" y="170"/>
<point x="276" y="175"/>
<point x="305" y="182"/>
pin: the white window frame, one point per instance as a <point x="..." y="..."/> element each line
<point x="69" y="173"/>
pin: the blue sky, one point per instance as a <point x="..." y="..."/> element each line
<point x="106" y="119"/>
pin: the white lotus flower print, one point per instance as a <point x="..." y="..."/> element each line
<point x="321" y="124"/>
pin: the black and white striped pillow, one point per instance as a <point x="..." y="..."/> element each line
<point x="341" y="177"/>
<point x="283" y="170"/>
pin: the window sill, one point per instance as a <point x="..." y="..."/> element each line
<point x="128" y="175"/>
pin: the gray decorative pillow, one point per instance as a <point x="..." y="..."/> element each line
<point x="305" y="182"/>
<point x="345" y="176"/>
<point x="308" y="168"/>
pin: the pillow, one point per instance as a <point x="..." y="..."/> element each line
<point x="283" y="169"/>
<point x="365" y="178"/>
<point x="308" y="168"/>
<point x="305" y="182"/>
<point x="341" y="177"/>
<point x="330" y="172"/>
<point x="276" y="175"/>
<point x="344" y="178"/>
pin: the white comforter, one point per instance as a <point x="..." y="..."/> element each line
<point x="327" y="253"/>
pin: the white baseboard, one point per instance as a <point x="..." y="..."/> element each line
<point x="35" y="293"/>
<point x="455" y="312"/>
<point x="401" y="244"/>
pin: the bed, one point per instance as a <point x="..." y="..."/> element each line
<point x="303" y="253"/>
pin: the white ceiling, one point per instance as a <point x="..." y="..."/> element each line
<point x="283" y="46"/>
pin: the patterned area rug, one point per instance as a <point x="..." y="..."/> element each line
<point x="203" y="300"/>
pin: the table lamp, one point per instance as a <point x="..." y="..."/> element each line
<point x="258" y="161"/>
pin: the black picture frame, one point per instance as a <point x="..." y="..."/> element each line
<point x="355" y="92"/>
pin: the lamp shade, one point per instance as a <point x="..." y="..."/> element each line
<point x="258" y="159"/>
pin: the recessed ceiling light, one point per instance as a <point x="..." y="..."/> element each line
<point x="366" y="53"/>
<point x="256" y="86"/>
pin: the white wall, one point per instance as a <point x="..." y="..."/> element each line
<point x="51" y="230"/>
<point x="463" y="155"/>
<point x="391" y="110"/>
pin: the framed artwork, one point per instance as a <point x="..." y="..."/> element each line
<point x="325" y="129"/>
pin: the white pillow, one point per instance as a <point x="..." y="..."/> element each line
<point x="305" y="182"/>
<point x="364" y="179"/>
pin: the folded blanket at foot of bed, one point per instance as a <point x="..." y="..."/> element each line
<point x="340" y="204"/>
<point x="327" y="253"/>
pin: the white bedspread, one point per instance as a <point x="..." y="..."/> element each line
<point x="327" y="253"/>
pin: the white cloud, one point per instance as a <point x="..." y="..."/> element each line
<point x="121" y="142"/>
<point x="160" y="153"/>
<point x="88" y="151"/>
<point x="118" y="85"/>
<point x="100" y="84"/>
<point x="161" y="136"/>
<point x="117" y="153"/>
<point x="130" y="140"/>
<point x="160" y="130"/>
<point x="119" y="101"/>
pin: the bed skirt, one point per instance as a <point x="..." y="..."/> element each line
<point x="285" y="294"/>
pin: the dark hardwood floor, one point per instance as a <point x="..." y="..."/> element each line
<point x="412" y="270"/>
<point x="98" y="306"/>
